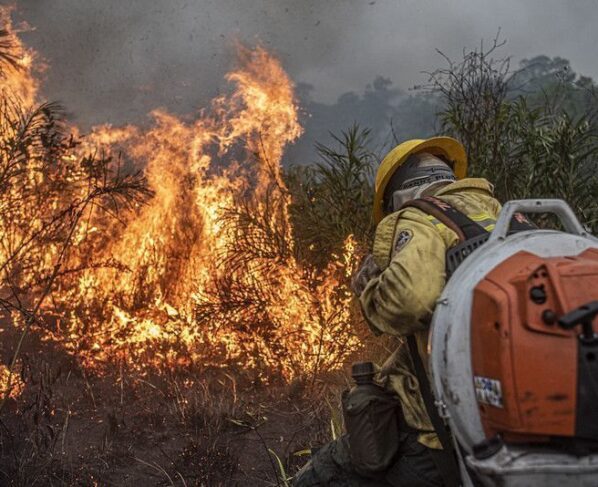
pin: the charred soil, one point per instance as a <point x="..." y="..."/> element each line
<point x="198" y="427"/>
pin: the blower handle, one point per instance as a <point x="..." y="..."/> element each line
<point x="584" y="316"/>
<point x="557" y="207"/>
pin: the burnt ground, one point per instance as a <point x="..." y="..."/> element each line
<point x="202" y="428"/>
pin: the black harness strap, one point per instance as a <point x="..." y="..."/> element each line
<point x="460" y="223"/>
<point x="457" y="221"/>
<point x="445" y="459"/>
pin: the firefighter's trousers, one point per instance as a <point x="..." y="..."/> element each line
<point x="331" y="466"/>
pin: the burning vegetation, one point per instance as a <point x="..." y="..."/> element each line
<point x="169" y="246"/>
<point x="150" y="274"/>
<point x="168" y="291"/>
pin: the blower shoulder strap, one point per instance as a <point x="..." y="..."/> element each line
<point x="457" y="221"/>
<point x="445" y="459"/>
<point x="465" y="228"/>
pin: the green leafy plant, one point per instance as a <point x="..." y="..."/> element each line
<point x="332" y="198"/>
<point x="529" y="144"/>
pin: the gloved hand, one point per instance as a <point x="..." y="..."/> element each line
<point x="368" y="270"/>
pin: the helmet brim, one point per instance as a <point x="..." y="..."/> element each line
<point x="447" y="147"/>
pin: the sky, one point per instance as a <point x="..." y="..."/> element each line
<point x="112" y="61"/>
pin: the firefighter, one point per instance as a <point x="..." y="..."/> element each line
<point x="397" y="286"/>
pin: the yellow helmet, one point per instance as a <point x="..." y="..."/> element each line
<point x="447" y="147"/>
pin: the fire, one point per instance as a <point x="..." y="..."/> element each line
<point x="204" y="273"/>
<point x="12" y="387"/>
<point x="20" y="82"/>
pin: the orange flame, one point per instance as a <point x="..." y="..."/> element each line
<point x="16" y="384"/>
<point x="205" y="273"/>
<point x="20" y="81"/>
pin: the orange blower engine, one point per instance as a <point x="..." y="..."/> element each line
<point x="514" y="354"/>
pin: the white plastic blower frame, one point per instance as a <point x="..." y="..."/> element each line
<point x="450" y="357"/>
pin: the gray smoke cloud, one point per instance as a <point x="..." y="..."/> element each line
<point x="114" y="60"/>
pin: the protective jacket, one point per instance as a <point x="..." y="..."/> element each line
<point x="410" y="248"/>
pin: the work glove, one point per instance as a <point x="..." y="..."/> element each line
<point x="368" y="270"/>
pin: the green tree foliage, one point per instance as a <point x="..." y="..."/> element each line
<point x="532" y="133"/>
<point x="543" y="80"/>
<point x="332" y="198"/>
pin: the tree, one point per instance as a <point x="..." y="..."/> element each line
<point x="332" y="198"/>
<point x="540" y="141"/>
<point x="49" y="189"/>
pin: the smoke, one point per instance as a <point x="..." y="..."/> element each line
<point x="114" y="61"/>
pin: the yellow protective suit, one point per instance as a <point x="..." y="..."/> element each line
<point x="410" y="248"/>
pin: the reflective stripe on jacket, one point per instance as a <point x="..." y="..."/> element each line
<point x="410" y="248"/>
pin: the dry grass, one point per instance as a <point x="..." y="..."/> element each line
<point x="201" y="428"/>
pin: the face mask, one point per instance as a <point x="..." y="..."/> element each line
<point x="402" y="196"/>
<point x="415" y="177"/>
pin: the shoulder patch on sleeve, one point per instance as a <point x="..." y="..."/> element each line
<point x="403" y="239"/>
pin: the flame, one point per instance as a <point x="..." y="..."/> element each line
<point x="16" y="383"/>
<point x="20" y="82"/>
<point x="205" y="273"/>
